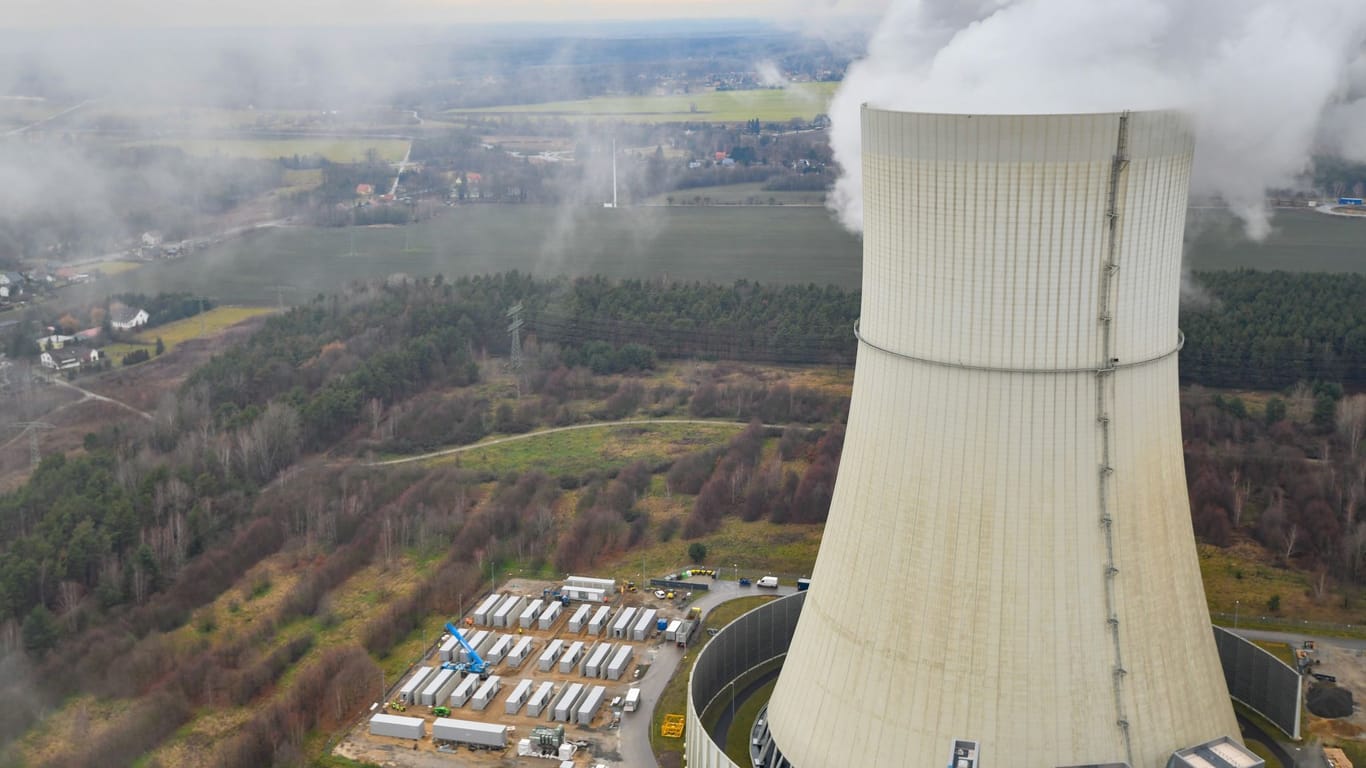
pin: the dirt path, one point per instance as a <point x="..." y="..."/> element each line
<point x="88" y="395"/>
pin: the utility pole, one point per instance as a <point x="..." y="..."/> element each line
<point x="515" y="329"/>
<point x="279" y="291"/>
<point x="32" y="427"/>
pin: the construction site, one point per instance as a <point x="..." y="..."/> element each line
<point x="536" y="673"/>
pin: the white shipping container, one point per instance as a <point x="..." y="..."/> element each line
<point x="508" y="611"/>
<point x="607" y="585"/>
<point x="479" y="642"/>
<point x="470" y="732"/>
<point x="448" y="647"/>
<point x="672" y="632"/>
<point x="580" y="618"/>
<point x="632" y="701"/>
<point x="530" y="613"/>
<point x="484" y="696"/>
<point x="540" y="699"/>
<point x="408" y="693"/>
<point x="591" y="704"/>
<point x="548" y="656"/>
<point x="499" y="649"/>
<point x="621" y="660"/>
<point x="571" y="657"/>
<point x="397" y="726"/>
<point x="645" y="624"/>
<point x="596" y="664"/>
<point x="517" y="697"/>
<point x="428" y="695"/>
<point x="484" y="612"/>
<point x="519" y="652"/>
<point x="464" y="691"/>
<point x="585" y="594"/>
<point x="599" y="620"/>
<point x="551" y="613"/>
<point x="443" y="694"/>
<point x="568" y="703"/>
<point x="622" y="625"/>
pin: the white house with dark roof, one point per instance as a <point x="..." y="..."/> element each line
<point x="127" y="318"/>
<point x="70" y="358"/>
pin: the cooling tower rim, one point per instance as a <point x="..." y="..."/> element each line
<point x="1172" y="111"/>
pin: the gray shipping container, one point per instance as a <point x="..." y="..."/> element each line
<point x="519" y="652"/>
<point x="517" y="697"/>
<point x="484" y="696"/>
<point x="580" y="618"/>
<point x="672" y="631"/>
<point x="586" y="594"/>
<point x="449" y="647"/>
<point x="499" y="649"/>
<point x="548" y="656"/>
<point x="479" y="641"/>
<point x="540" y="699"/>
<point x="549" y="615"/>
<point x="591" y="703"/>
<point x="428" y="695"/>
<point x="484" y="612"/>
<point x="443" y="694"/>
<point x="530" y="613"/>
<point x="645" y="624"/>
<point x="398" y="727"/>
<point x="508" y="611"/>
<point x="621" y="660"/>
<point x="622" y="626"/>
<point x="571" y="657"/>
<point x="596" y="664"/>
<point x="599" y="620"/>
<point x="470" y="732"/>
<point x="408" y="693"/>
<point x="568" y="703"/>
<point x="465" y="690"/>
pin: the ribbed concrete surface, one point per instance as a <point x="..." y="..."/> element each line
<point x="961" y="587"/>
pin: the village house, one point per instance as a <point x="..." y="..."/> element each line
<point x="127" y="318"/>
<point x="53" y="341"/>
<point x="70" y="358"/>
<point x="11" y="285"/>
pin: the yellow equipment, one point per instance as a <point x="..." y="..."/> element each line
<point x="672" y="727"/>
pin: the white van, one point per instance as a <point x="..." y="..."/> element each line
<point x="770" y="582"/>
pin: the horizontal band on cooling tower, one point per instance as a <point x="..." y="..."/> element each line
<point x="1180" y="342"/>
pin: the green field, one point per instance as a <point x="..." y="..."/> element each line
<point x="738" y="194"/>
<point x="335" y="150"/>
<point x="579" y="451"/>
<point x="802" y="100"/>
<point x="773" y="244"/>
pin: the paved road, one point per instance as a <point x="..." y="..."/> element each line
<point x="633" y="738"/>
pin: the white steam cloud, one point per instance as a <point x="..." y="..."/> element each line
<point x="1269" y="82"/>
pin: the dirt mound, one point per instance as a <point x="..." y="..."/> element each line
<point x="1330" y="701"/>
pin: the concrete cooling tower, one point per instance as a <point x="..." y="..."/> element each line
<point x="1008" y="568"/>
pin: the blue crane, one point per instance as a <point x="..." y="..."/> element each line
<point x="476" y="664"/>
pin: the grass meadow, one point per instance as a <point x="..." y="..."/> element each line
<point x="801" y="100"/>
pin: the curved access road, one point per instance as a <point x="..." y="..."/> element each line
<point x="552" y="430"/>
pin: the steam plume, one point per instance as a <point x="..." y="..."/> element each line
<point x="1269" y="82"/>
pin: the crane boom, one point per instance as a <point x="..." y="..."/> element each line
<point x="476" y="664"/>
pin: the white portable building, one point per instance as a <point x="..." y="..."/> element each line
<point x="519" y="652"/>
<point x="479" y="642"/>
<point x="599" y="620"/>
<point x="464" y="691"/>
<point x="585" y="594"/>
<point x="549" y="615"/>
<point x="449" y="647"/>
<point x="540" y="699"/>
<point x="568" y="703"/>
<point x="470" y="732"/>
<point x="591" y="704"/>
<point x="428" y="695"/>
<point x="443" y="694"/>
<point x="484" y="612"/>
<point x="530" y="613"/>
<point x="622" y="626"/>
<point x="517" y="697"/>
<point x="672" y="632"/>
<point x="397" y="726"/>
<point x="408" y="693"/>
<point x="580" y="618"/>
<point x="548" y="656"/>
<point x="645" y="624"/>
<point x="499" y="649"/>
<point x="571" y="657"/>
<point x="508" y="611"/>
<point x="621" y="660"/>
<point x="597" y="660"/>
<point x="484" y="696"/>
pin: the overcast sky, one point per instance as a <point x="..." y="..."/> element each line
<point x="256" y="13"/>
